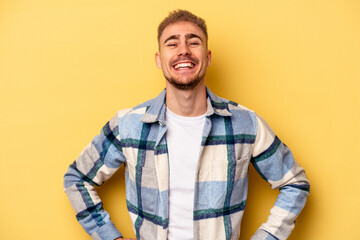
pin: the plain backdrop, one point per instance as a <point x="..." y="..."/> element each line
<point x="66" y="67"/>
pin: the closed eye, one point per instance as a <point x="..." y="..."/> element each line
<point x="171" y="45"/>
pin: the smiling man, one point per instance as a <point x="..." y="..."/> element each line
<point x="186" y="155"/>
<point x="184" y="57"/>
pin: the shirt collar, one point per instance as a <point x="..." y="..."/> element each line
<point x="156" y="111"/>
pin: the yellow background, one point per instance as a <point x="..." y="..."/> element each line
<point x="67" y="66"/>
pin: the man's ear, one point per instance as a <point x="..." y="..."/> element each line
<point x="157" y="60"/>
<point x="208" y="57"/>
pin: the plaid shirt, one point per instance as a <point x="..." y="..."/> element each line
<point x="233" y="137"/>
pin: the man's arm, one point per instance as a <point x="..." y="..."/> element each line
<point x="275" y="163"/>
<point x="97" y="162"/>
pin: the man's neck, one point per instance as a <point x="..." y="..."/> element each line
<point x="187" y="103"/>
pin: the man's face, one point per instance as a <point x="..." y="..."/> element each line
<point x="183" y="55"/>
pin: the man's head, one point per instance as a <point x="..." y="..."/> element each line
<point x="183" y="55"/>
<point x="182" y="16"/>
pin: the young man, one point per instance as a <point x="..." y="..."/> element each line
<point x="186" y="155"/>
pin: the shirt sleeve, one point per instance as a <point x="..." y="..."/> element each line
<point x="96" y="163"/>
<point x="275" y="163"/>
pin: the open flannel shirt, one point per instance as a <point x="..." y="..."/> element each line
<point x="233" y="136"/>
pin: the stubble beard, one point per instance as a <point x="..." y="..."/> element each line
<point x="188" y="85"/>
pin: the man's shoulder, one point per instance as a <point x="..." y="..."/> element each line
<point x="223" y="103"/>
<point x="234" y="106"/>
<point x="241" y="116"/>
<point x="139" y="109"/>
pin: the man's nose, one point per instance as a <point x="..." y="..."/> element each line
<point x="184" y="50"/>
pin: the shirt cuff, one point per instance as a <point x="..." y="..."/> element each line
<point x="106" y="232"/>
<point x="263" y="235"/>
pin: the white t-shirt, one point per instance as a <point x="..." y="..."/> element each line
<point x="183" y="138"/>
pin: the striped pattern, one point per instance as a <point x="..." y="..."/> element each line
<point x="233" y="138"/>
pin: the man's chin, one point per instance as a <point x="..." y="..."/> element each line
<point x="184" y="86"/>
<point x="188" y="85"/>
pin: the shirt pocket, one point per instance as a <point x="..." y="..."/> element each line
<point x="222" y="170"/>
<point x="242" y="167"/>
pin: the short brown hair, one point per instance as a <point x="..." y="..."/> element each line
<point x="182" y="15"/>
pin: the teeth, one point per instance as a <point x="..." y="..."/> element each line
<point x="183" y="65"/>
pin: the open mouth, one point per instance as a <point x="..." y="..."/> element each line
<point x="183" y="65"/>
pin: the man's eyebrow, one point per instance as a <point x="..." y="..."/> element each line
<point x="187" y="36"/>
<point x="192" y="35"/>
<point x="176" y="37"/>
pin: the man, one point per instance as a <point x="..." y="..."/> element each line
<point x="186" y="155"/>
